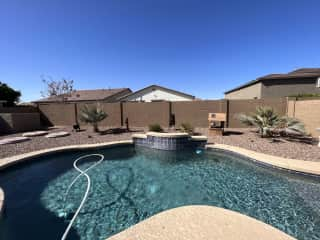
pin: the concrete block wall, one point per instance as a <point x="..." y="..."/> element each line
<point x="196" y="112"/>
<point x="307" y="111"/>
<point x="248" y="106"/>
<point x="141" y="114"/>
<point x="19" y="122"/>
<point x="112" y="109"/>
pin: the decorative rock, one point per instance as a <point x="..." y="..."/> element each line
<point x="57" y="134"/>
<point x="13" y="140"/>
<point x="34" y="134"/>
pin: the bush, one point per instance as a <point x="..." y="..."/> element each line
<point x="9" y="95"/>
<point x="271" y="125"/>
<point x="186" y="127"/>
<point x="92" y="115"/>
<point x="155" y="127"/>
<point x="305" y="95"/>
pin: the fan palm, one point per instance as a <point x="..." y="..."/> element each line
<point x="291" y="126"/>
<point x="93" y="115"/>
<point x="265" y="119"/>
<point x="269" y="123"/>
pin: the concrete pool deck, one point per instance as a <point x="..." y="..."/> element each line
<point x="201" y="223"/>
<point x="293" y="165"/>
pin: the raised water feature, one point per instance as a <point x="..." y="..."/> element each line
<point x="132" y="184"/>
<point x="169" y="141"/>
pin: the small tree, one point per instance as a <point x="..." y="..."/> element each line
<point x="63" y="87"/>
<point x="8" y="94"/>
<point x="93" y="115"/>
<point x="264" y="119"/>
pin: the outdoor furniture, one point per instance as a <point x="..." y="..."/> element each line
<point x="216" y="123"/>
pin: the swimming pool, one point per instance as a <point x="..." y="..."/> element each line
<point x="132" y="184"/>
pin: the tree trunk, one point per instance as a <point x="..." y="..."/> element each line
<point x="95" y="127"/>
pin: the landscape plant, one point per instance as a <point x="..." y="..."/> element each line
<point x="93" y="115"/>
<point x="270" y="124"/>
<point x="155" y="127"/>
<point x="187" y="128"/>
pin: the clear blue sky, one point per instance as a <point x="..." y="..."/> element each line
<point x="200" y="47"/>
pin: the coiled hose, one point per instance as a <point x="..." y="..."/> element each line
<point x="85" y="196"/>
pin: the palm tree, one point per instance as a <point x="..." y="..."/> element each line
<point x="269" y="123"/>
<point x="291" y="126"/>
<point x="265" y="119"/>
<point x="93" y="115"/>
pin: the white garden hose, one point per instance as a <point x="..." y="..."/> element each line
<point x="82" y="172"/>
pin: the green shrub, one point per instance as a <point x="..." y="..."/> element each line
<point x="270" y="124"/>
<point x="305" y="95"/>
<point x="186" y="127"/>
<point x="155" y="127"/>
<point x="92" y="115"/>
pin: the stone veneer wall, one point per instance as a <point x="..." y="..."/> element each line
<point x="168" y="141"/>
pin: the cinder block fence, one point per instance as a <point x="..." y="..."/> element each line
<point x="141" y="114"/>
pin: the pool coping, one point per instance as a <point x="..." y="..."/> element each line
<point x="200" y="222"/>
<point x="301" y="167"/>
<point x="161" y="135"/>
<point x="9" y="161"/>
<point x="1" y="201"/>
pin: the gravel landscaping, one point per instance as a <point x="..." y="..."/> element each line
<point x="244" y="138"/>
<point x="247" y="138"/>
<point x="86" y="136"/>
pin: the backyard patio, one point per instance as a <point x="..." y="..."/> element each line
<point x="244" y="138"/>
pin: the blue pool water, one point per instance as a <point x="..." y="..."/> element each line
<point x="133" y="184"/>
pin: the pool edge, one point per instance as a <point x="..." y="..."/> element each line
<point x="1" y="201"/>
<point x="201" y="222"/>
<point x="301" y="167"/>
<point x="9" y="161"/>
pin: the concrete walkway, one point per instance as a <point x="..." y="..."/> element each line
<point x="201" y="223"/>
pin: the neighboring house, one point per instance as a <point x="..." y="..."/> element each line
<point x="156" y="93"/>
<point x="104" y="95"/>
<point x="300" y="81"/>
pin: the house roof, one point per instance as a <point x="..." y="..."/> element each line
<point x="299" y="73"/>
<point x="86" y="95"/>
<point x="158" y="87"/>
